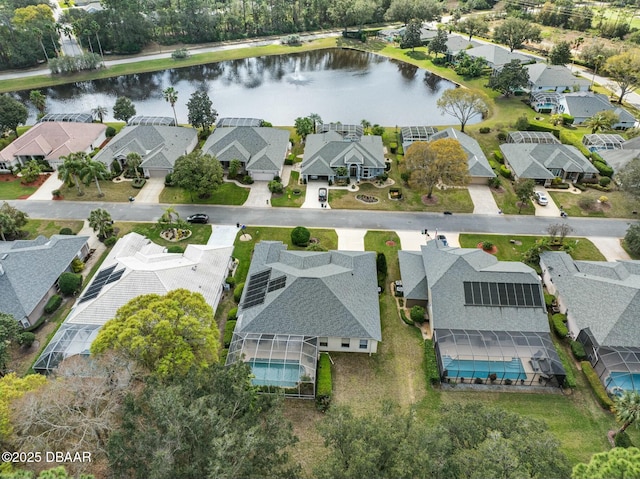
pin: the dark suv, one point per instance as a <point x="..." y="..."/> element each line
<point x="198" y="218"/>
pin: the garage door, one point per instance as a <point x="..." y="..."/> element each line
<point x="157" y="173"/>
<point x="262" y="176"/>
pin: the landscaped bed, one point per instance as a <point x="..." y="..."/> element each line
<point x="619" y="204"/>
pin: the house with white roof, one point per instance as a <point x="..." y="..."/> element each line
<point x="558" y="78"/>
<point x="135" y="266"/>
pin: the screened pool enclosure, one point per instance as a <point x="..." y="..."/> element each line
<point x="278" y="361"/>
<point x="619" y="369"/>
<point x="497" y="357"/>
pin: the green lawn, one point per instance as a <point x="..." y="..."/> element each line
<point x="507" y="200"/>
<point x="47" y="228"/>
<point x="584" y="250"/>
<point x="12" y="190"/>
<point x="201" y="233"/>
<point x="288" y="198"/>
<point x="620" y="204"/>
<point x="226" y="194"/>
<point x="113" y="192"/>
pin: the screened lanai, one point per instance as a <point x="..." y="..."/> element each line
<point x="619" y="369"/>
<point x="233" y="122"/>
<point x="500" y="357"/>
<point x="67" y="117"/>
<point x="278" y="361"/>
<point x="545" y="101"/>
<point x="603" y="141"/>
<point x="152" y="121"/>
<point x="540" y="137"/>
<point x="70" y="340"/>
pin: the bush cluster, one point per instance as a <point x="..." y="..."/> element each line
<point x="603" y="168"/>
<point x="77" y="265"/>
<point x="497" y="154"/>
<point x="231" y="281"/>
<point x="559" y="326"/>
<point x="405" y="319"/>
<point x="300" y="236"/>
<point x="70" y="283"/>
<point x="66" y="231"/>
<point x="604" y="181"/>
<point x="485" y="129"/>
<point x="324" y="390"/>
<point x="229" y="326"/>
<point x="237" y="292"/>
<point x="578" y="350"/>
<point x="54" y="303"/>
<point x="68" y="64"/>
<point x="417" y="314"/>
<point x="110" y="241"/>
<point x="504" y="171"/>
<point x="622" y="439"/>
<point x="232" y="314"/>
<point x="431" y="364"/>
<point x="138" y="183"/>
<point x="599" y="390"/>
<point x="570" y="378"/>
<point x="26" y="339"/>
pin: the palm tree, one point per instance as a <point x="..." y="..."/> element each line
<point x="37" y="98"/>
<point x="100" y="112"/>
<point x="101" y="223"/>
<point x="603" y="120"/>
<point x="627" y="409"/>
<point x="133" y="163"/>
<point x="69" y="171"/>
<point x="168" y="215"/>
<point x="317" y="120"/>
<point x="95" y="170"/>
<point x="366" y="124"/>
<point x="171" y="95"/>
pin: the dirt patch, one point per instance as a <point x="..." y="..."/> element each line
<point x="175" y="234"/>
<point x="430" y="201"/>
<point x="23" y="197"/>
<point x="493" y="250"/>
<point x="22" y="358"/>
<point x="499" y="190"/>
<point x="390" y="243"/>
<point x="314" y="241"/>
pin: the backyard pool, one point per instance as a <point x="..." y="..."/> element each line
<point x="469" y="368"/>
<point x="623" y="381"/>
<point x="276" y="372"/>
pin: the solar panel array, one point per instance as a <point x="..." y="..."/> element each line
<point x="104" y="277"/>
<point x="277" y="283"/>
<point x="522" y="295"/>
<point x="256" y="289"/>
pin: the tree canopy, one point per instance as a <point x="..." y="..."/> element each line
<point x="101" y="223"/>
<point x="9" y="330"/>
<point x="304" y="126"/>
<point x="524" y="189"/>
<point x="560" y="53"/>
<point x="439" y="43"/>
<point x="124" y="109"/>
<point x="473" y="25"/>
<point x="603" y="120"/>
<point x="11" y="220"/>
<point x="513" y="32"/>
<point x="629" y="177"/>
<point x="201" y="111"/>
<point x="166" y="335"/>
<point x="421" y="10"/>
<point x="198" y="173"/>
<point x="512" y="77"/>
<point x="617" y="463"/>
<point x="12" y="114"/>
<point x="13" y="387"/>
<point x="624" y="70"/>
<point x="463" y="104"/>
<point x="438" y="161"/>
<point x="411" y="38"/>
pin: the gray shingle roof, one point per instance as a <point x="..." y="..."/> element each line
<point x="414" y="279"/>
<point x="159" y="146"/>
<point x="496" y="56"/>
<point x="258" y="148"/>
<point x="618" y="159"/>
<point x="31" y="268"/>
<point x="330" y="294"/>
<point x="531" y="160"/>
<point x="447" y="269"/>
<point x="586" y="104"/>
<point x="456" y="43"/>
<point x="476" y="160"/>
<point x="541" y="74"/>
<point x="329" y="150"/>
<point x="601" y="296"/>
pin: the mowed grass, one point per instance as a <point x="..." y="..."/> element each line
<point x="12" y="190"/>
<point x="113" y="192"/>
<point x="47" y="228"/>
<point x="584" y="249"/>
<point x="507" y="200"/>
<point x="619" y="205"/>
<point x="200" y="233"/>
<point x="456" y="200"/>
<point x="288" y="198"/>
<point x="226" y="194"/>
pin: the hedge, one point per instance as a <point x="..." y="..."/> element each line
<point x="110" y="241"/>
<point x="231" y="281"/>
<point x="54" y="303"/>
<point x="175" y="249"/>
<point x="504" y="171"/>
<point x="569" y="138"/>
<point x="580" y="186"/>
<point x="570" y="378"/>
<point x="497" y="154"/>
<point x="603" y="168"/>
<point x="578" y="350"/>
<point x="237" y="292"/>
<point x="548" y="299"/>
<point x="599" y="390"/>
<point x="223" y="355"/>
<point x="560" y="186"/>
<point x="324" y="390"/>
<point x="622" y="439"/>
<point x="66" y="231"/>
<point x="405" y="319"/>
<point x="559" y="326"/>
<point x="229" y="326"/>
<point x="535" y="125"/>
<point x="232" y="314"/>
<point x="431" y="364"/>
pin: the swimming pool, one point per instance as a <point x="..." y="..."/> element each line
<point x="276" y="372"/>
<point x="622" y="381"/>
<point x="470" y="368"/>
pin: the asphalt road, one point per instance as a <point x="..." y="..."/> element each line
<point x="387" y="220"/>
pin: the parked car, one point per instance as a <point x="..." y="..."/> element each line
<point x="541" y="198"/>
<point x="198" y="218"/>
<point x="322" y="195"/>
<point x="399" y="289"/>
<point x="442" y="239"/>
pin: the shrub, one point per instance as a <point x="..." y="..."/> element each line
<point x="231" y="281"/>
<point x="324" y="391"/>
<point x="603" y="168"/>
<point x="478" y="381"/>
<point x="501" y="136"/>
<point x="300" y="236"/>
<point x="175" y="249"/>
<point x="522" y="123"/>
<point x="229" y="326"/>
<point x="580" y="186"/>
<point x="232" y="315"/>
<point x="180" y="54"/>
<point x="110" y="241"/>
<point x="497" y="154"/>
<point x="587" y="204"/>
<point x="494" y="182"/>
<point x="487" y="245"/>
<point x="622" y="439"/>
<point x="578" y="350"/>
<point x="110" y="132"/>
<point x="138" y="183"/>
<point x="381" y="263"/>
<point x="603" y="199"/>
<point x="247" y="180"/>
<point x="66" y="231"/>
<point x="54" y="303"/>
<point x="288" y="161"/>
<point x="56" y="194"/>
<point x="26" y="339"/>
<point x="116" y="168"/>
<point x="417" y="314"/>
<point x="275" y="187"/>
<point x="504" y="171"/>
<point x="567" y="119"/>
<point x="598" y="389"/>
<point x="559" y="326"/>
<point x="405" y="319"/>
<point x="431" y="364"/>
<point x="604" y="181"/>
<point x="237" y="292"/>
<point x="548" y="299"/>
<point x="485" y="129"/>
<point x="168" y="179"/>
<point x="77" y="265"/>
<point x="70" y="283"/>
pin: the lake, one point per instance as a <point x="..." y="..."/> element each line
<point x="340" y="85"/>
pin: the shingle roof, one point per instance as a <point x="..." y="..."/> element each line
<point x="541" y="74"/>
<point x="326" y="294"/>
<point x="446" y="269"/>
<point x="329" y="150"/>
<point x="414" y="278"/>
<point x="54" y="139"/>
<point x="586" y="104"/>
<point x="159" y="146"/>
<point x="601" y="296"/>
<point x="30" y="268"/>
<point x="476" y="160"/>
<point x="259" y="148"/>
<point x="618" y="159"/>
<point x="456" y="43"/>
<point x="532" y="160"/>
<point x="497" y="56"/>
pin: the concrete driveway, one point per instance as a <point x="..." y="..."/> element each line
<point x="411" y="240"/>
<point x="259" y="195"/>
<point x="551" y="210"/>
<point x="483" y="201"/>
<point x="150" y="192"/>
<point x="610" y="248"/>
<point x="44" y="192"/>
<point x="311" y="199"/>
<point x="350" y="239"/>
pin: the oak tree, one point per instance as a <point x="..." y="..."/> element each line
<point x="198" y="173"/>
<point x="201" y="111"/>
<point x="463" y="104"/>
<point x="511" y="77"/>
<point x="124" y="109"/>
<point x="624" y="70"/>
<point x="513" y="32"/>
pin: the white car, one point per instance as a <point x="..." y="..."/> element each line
<point x="541" y="198"/>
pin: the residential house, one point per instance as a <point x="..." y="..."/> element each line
<point x="544" y="162"/>
<point x="618" y="159"/>
<point x="29" y="272"/>
<point x="135" y="266"/>
<point x="488" y="317"/>
<point x="409" y="134"/>
<point x="558" y="78"/>
<point x="324" y="153"/>
<point x="602" y="303"/>
<point x="583" y="105"/>
<point x="497" y="56"/>
<point x="457" y="43"/>
<point x="50" y="141"/>
<point x="296" y="303"/>
<point x="479" y="168"/>
<point x="158" y="145"/>
<point x="261" y="150"/>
